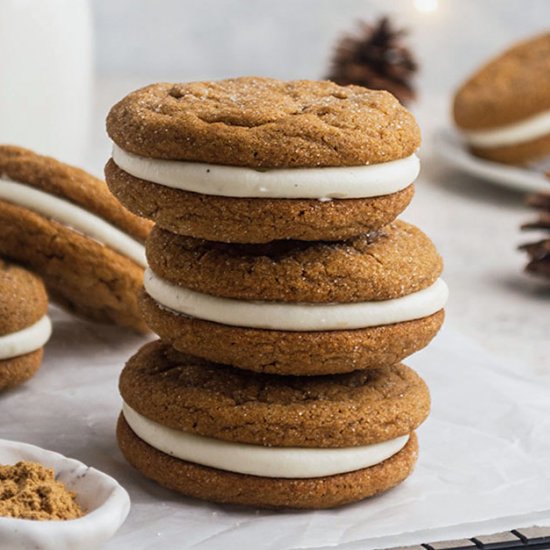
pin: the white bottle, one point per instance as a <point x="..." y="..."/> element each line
<point x="46" y="76"/>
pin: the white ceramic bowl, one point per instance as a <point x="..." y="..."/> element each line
<point x="451" y="147"/>
<point x="106" y="504"/>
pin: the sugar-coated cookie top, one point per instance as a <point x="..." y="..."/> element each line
<point x="263" y="122"/>
<point x="390" y="263"/>
<point x="513" y="86"/>
<point x="23" y="298"/>
<point x="197" y="396"/>
<point x="70" y="183"/>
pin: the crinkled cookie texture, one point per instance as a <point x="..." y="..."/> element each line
<point x="23" y="302"/>
<point x="264" y="123"/>
<point x="17" y="370"/>
<point x="397" y="260"/>
<point x="215" y="485"/>
<point x="189" y="394"/>
<point x="239" y="220"/>
<point x="23" y="298"/>
<point x="83" y="275"/>
<point x="288" y="352"/>
<point x="511" y="87"/>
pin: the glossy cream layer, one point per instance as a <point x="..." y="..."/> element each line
<point x="295" y="316"/>
<point x="26" y="340"/>
<point x="74" y="216"/>
<point x="287" y="183"/>
<point x="257" y="460"/>
<point x="513" y="134"/>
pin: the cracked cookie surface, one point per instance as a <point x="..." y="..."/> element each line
<point x="213" y="400"/>
<point x="82" y="275"/>
<point x="397" y="260"/>
<point x="264" y="123"/>
<point x="23" y="298"/>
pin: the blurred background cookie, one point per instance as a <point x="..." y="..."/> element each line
<point x="503" y="110"/>
<point x="63" y="223"/>
<point x="24" y="324"/>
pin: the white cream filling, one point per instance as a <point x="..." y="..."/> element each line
<point x="73" y="216"/>
<point x="295" y="316"/>
<point x="293" y="183"/>
<point x="26" y="340"/>
<point x="529" y="129"/>
<point x="256" y="460"/>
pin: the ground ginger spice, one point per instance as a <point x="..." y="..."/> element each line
<point x="30" y="491"/>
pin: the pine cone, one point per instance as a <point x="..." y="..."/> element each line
<point x="375" y="58"/>
<point x="539" y="252"/>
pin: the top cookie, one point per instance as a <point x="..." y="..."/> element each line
<point x="264" y="123"/>
<point x="23" y="298"/>
<point x="513" y="86"/>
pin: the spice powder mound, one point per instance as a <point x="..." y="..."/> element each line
<point x="30" y="491"/>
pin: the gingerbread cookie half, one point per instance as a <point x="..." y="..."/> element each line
<point x="503" y="110"/>
<point x="293" y="307"/>
<point x="65" y="225"/>
<point x="219" y="434"/>
<point x="255" y="159"/>
<point x="24" y="324"/>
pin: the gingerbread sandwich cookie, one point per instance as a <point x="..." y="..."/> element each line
<point x="253" y="159"/>
<point x="24" y="324"/>
<point x="503" y="110"/>
<point x="65" y="225"/>
<point x="295" y="307"/>
<point x="220" y="434"/>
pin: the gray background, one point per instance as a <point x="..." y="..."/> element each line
<point x="196" y="39"/>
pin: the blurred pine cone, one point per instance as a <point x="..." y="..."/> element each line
<point x="375" y="58"/>
<point x="539" y="251"/>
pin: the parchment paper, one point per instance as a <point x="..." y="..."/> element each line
<point x="484" y="462"/>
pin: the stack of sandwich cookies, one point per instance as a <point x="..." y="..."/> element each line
<point x="65" y="225"/>
<point x="225" y="435"/>
<point x="24" y="324"/>
<point x="276" y="250"/>
<point x="503" y="110"/>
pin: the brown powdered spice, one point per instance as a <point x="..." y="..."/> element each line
<point x="30" y="491"/>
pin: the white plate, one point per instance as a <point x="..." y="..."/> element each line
<point x="106" y="504"/>
<point x="450" y="146"/>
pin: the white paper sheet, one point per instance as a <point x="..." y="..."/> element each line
<point x="484" y="458"/>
